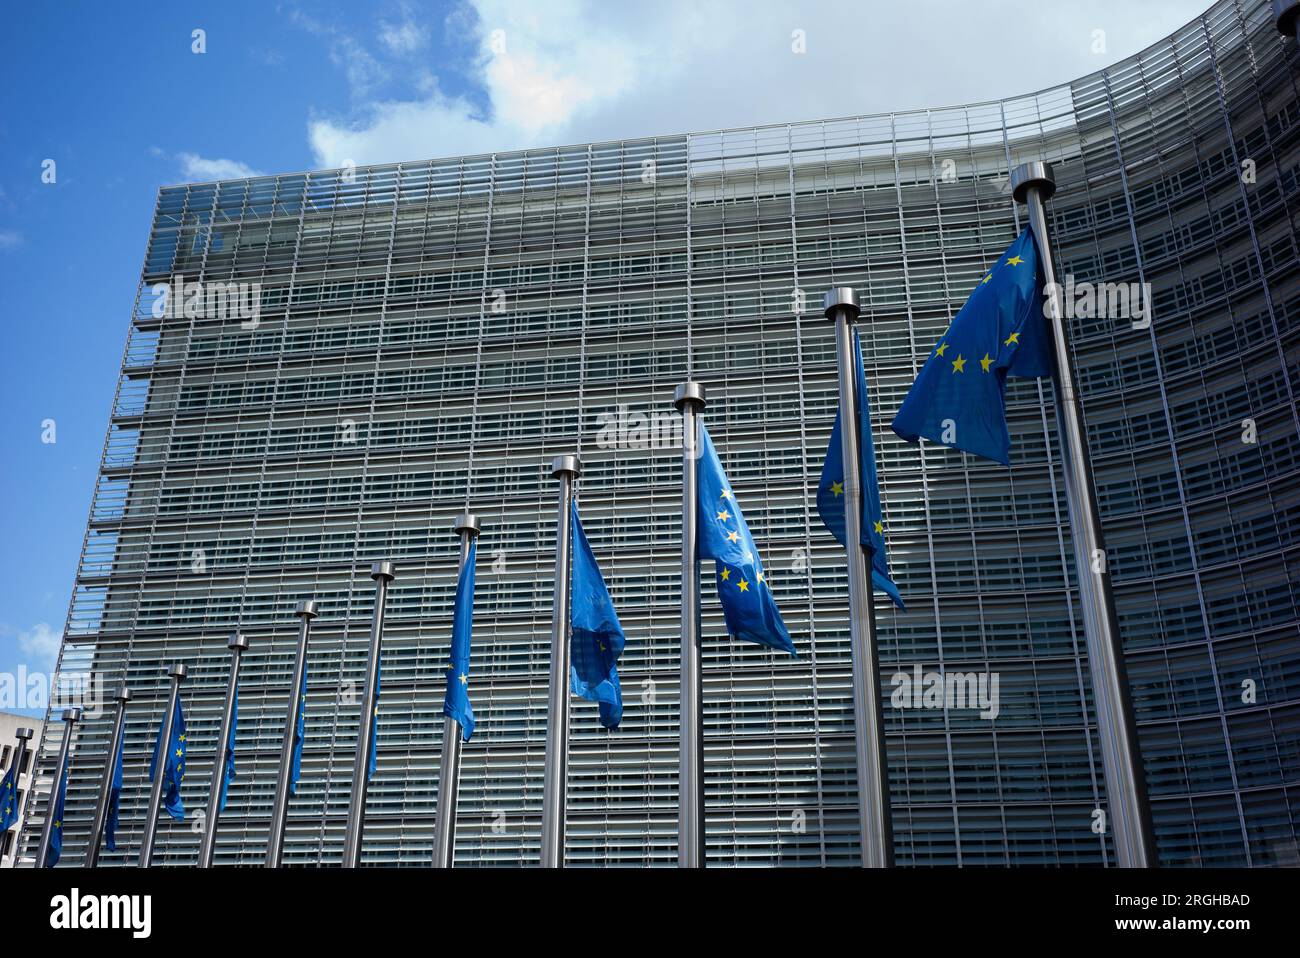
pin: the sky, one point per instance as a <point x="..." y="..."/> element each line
<point x="102" y="103"/>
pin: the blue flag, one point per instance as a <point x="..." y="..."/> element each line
<point x="173" y="770"/>
<point x="832" y="496"/>
<point x="9" y="797"/>
<point x="374" y="731"/>
<point x="229" y="773"/>
<point x="747" y="602"/>
<point x="299" y="735"/>
<point x="598" y="639"/>
<point x="55" y="851"/>
<point x="958" y="398"/>
<point x="455" y="703"/>
<point x="114" y="797"/>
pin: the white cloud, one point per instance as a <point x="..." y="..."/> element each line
<point x="197" y="168"/>
<point x="40" y="644"/>
<point x="579" y="70"/>
<point x="403" y="38"/>
<point x="363" y="71"/>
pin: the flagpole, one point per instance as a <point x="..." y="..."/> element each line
<point x="305" y="611"/>
<point x="238" y="645"/>
<point x="106" y="786"/>
<point x="383" y="573"/>
<point x="841" y="307"/>
<point x="689" y="400"/>
<point x="177" y="673"/>
<point x="1130" y="815"/>
<point x="555" y="791"/>
<point x="70" y="718"/>
<point x="444" y="827"/>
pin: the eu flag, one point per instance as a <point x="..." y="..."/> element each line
<point x="9" y="798"/>
<point x="598" y="639"/>
<point x="958" y="398"/>
<point x="173" y="770"/>
<point x="832" y="495"/>
<point x="747" y="602"/>
<point x="455" y="703"/>
<point x="229" y="773"/>
<point x="55" y="851"/>
<point x="374" y="731"/>
<point x="114" y="798"/>
<point x="299" y="735"/>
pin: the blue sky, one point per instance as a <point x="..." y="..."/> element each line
<point x="116" y="97"/>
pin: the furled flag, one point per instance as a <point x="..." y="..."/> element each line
<point x="747" y="602"/>
<point x="55" y="850"/>
<point x="455" y="703"/>
<point x="374" y="731"/>
<point x="228" y="775"/>
<point x="114" y="798"/>
<point x="173" y="770"/>
<point x="958" y="398"/>
<point x="9" y="797"/>
<point x="598" y="639"/>
<point x="299" y="735"/>
<point x="832" y="494"/>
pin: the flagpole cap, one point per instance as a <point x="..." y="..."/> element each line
<point x="23" y="734"/>
<point x="179" y="671"/>
<point x="123" y="695"/>
<point x="1033" y="174"/>
<point x="238" y="642"/>
<point x="689" y="393"/>
<point x="1285" y="14"/>
<point x="383" y="570"/>
<point x="566" y="466"/>
<point x="306" y="609"/>
<point x="72" y="715"/>
<point x="466" y="524"/>
<point x="841" y="297"/>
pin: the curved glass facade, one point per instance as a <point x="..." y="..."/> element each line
<point x="431" y="327"/>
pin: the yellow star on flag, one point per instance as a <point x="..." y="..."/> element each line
<point x="837" y="488"/>
<point x="942" y="347"/>
<point x="959" y="364"/>
<point x="744" y="585"/>
<point x="985" y="363"/>
<point x="726" y="574"/>
<point x="733" y="537"/>
<point x="1013" y="338"/>
<point x="879" y="527"/>
<point x="1014" y="261"/>
<point x="724" y="515"/>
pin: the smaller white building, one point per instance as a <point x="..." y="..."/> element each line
<point x="9" y="726"/>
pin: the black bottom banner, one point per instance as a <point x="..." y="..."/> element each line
<point x="299" y="908"/>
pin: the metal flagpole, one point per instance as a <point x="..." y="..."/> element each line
<point x="841" y="306"/>
<point x="177" y="673"/>
<point x="1130" y="816"/>
<point x="23" y="735"/>
<point x="555" y="792"/>
<point x="70" y="718"/>
<point x="689" y="400"/>
<point x="444" y="828"/>
<point x="238" y="645"/>
<point x="306" y="611"/>
<point x="383" y="573"/>
<point x="106" y="786"/>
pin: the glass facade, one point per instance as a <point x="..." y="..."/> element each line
<point x="431" y="334"/>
